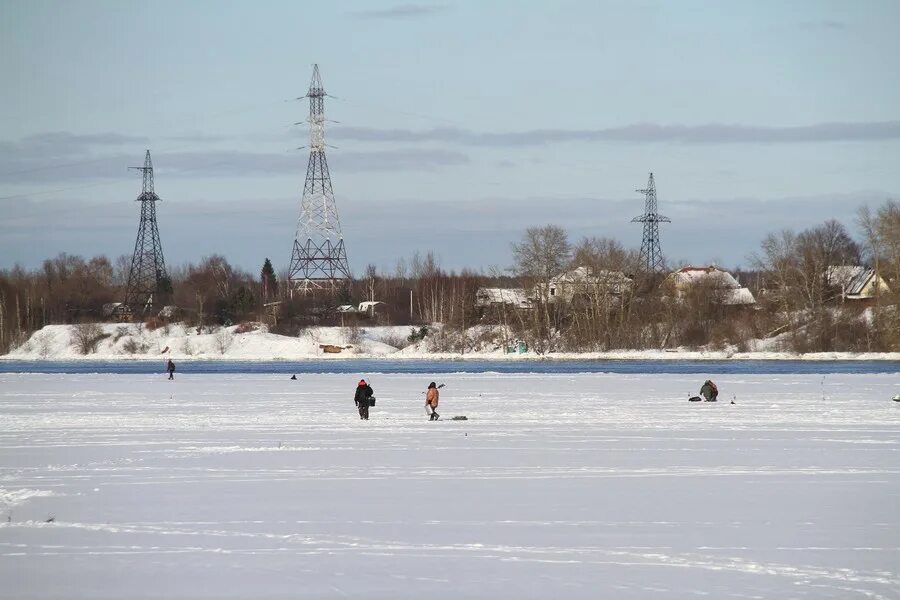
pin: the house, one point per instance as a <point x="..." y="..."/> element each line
<point x="515" y="297"/>
<point x="585" y="281"/>
<point x="720" y="282"/>
<point x="856" y="282"/>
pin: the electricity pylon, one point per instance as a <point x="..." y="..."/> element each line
<point x="651" y="254"/>
<point x="147" y="275"/>
<point x="319" y="259"/>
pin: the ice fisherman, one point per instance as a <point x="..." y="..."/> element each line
<point x="709" y="391"/>
<point x="362" y="398"/>
<point x="431" y="401"/>
<point x="170" y="369"/>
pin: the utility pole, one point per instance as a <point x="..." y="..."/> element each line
<point x="651" y="255"/>
<point x="319" y="259"/>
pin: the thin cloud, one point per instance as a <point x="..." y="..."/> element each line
<point x="42" y="155"/>
<point x="637" y="133"/>
<point x="402" y="11"/>
<point x="222" y="163"/>
<point x="824" y="24"/>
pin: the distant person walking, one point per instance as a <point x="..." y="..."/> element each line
<point x="709" y="391"/>
<point x="170" y="369"/>
<point x="432" y="396"/>
<point x="362" y="398"/>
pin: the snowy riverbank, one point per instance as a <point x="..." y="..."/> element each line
<point x="132" y="342"/>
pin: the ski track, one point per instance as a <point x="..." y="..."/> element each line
<point x="254" y="486"/>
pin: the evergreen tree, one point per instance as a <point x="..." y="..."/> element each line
<point x="268" y="281"/>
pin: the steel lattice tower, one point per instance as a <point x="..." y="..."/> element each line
<point x="148" y="267"/>
<point x="319" y="259"/>
<point x="651" y="254"/>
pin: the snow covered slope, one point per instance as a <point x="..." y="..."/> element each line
<point x="566" y="486"/>
<point x="134" y="342"/>
<point x="176" y="341"/>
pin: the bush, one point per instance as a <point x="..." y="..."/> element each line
<point x="287" y="328"/>
<point x="153" y="324"/>
<point x="121" y="331"/>
<point x="86" y="337"/>
<point x="247" y="327"/>
<point x="45" y="345"/>
<point x="415" y="336"/>
<point x="133" y="346"/>
<point x="223" y="338"/>
<point x="394" y="340"/>
<point x="353" y="335"/>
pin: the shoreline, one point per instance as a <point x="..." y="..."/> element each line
<point x="636" y="356"/>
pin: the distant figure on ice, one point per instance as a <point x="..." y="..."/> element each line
<point x="294" y="377"/>
<point x="170" y="369"/>
<point x="431" y="401"/>
<point x="362" y="398"/>
<point x="709" y="391"/>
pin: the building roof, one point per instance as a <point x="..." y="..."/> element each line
<point x="732" y="292"/>
<point x="585" y="274"/>
<point x="853" y="279"/>
<point x="691" y="275"/>
<point x="486" y="296"/>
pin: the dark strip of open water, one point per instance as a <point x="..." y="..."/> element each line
<point x="365" y="366"/>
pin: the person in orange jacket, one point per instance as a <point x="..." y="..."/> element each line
<point x="431" y="400"/>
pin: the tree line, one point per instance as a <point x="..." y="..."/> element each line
<point x="796" y="301"/>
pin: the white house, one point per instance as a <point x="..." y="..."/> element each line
<point x="856" y="282"/>
<point x="583" y="280"/>
<point x="721" y="282"/>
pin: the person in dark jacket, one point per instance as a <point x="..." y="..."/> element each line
<point x="170" y="369"/>
<point x="709" y="391"/>
<point x="362" y="398"/>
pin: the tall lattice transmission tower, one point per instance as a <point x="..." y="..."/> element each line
<point x="147" y="276"/>
<point x="651" y="254"/>
<point x="319" y="259"/>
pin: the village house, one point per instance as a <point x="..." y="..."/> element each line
<point x="856" y="282"/>
<point x="727" y="289"/>
<point x="584" y="281"/>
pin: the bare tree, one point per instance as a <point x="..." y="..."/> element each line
<point x="543" y="253"/>
<point x="224" y="339"/>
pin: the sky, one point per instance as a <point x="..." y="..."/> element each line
<point x="456" y="125"/>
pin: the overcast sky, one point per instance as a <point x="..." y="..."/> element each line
<point x="459" y="124"/>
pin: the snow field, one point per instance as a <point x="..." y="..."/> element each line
<point x="580" y="486"/>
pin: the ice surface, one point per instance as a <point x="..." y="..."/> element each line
<point x="573" y="486"/>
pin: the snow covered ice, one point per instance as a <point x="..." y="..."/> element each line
<point x="573" y="486"/>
